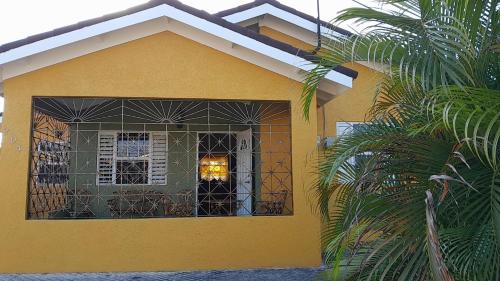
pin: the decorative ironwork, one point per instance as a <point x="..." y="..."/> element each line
<point x="97" y="158"/>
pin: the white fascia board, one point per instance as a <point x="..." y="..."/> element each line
<point x="339" y="78"/>
<point x="252" y="44"/>
<point x="85" y="47"/>
<point x="80" y="34"/>
<point x="289" y="29"/>
<point x="171" y="13"/>
<point x="284" y="15"/>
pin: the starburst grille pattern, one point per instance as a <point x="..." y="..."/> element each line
<point x="138" y="158"/>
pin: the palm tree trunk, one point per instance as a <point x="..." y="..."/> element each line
<point x="439" y="269"/>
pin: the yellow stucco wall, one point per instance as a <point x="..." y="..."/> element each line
<point x="352" y="105"/>
<point x="161" y="66"/>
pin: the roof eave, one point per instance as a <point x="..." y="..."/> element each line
<point x="242" y="8"/>
<point x="228" y="31"/>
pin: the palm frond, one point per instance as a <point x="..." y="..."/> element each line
<point x="435" y="127"/>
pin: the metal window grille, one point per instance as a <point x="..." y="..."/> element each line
<point x="97" y="158"/>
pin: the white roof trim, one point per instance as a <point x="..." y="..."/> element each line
<point x="289" y="29"/>
<point x="80" y="34"/>
<point x="281" y="14"/>
<point x="169" y="12"/>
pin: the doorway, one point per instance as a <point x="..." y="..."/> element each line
<point x="225" y="174"/>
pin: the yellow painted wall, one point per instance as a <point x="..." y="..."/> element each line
<point x="352" y="105"/>
<point x="46" y="198"/>
<point x="275" y="146"/>
<point x="161" y="66"/>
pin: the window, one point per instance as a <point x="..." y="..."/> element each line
<point x="132" y="171"/>
<point x="214" y="168"/>
<point x="52" y="166"/>
<point x="133" y="145"/>
<point x="128" y="158"/>
<point x="348" y="128"/>
<point x="132" y="158"/>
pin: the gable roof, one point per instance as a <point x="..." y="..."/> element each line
<point x="22" y="48"/>
<point x="199" y="13"/>
<point x="274" y="3"/>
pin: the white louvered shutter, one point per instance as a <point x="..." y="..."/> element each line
<point x="159" y="158"/>
<point x="105" y="158"/>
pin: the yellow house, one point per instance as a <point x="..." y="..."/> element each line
<point x="166" y="138"/>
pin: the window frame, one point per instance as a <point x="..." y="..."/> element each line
<point x="348" y="124"/>
<point x="349" y="128"/>
<point x="117" y="158"/>
<point x="50" y="161"/>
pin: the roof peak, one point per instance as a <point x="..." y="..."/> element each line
<point x="284" y="7"/>
<point x="180" y="6"/>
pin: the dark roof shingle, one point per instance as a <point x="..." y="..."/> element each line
<point x="174" y="3"/>
<point x="289" y="9"/>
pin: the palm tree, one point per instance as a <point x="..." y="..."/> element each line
<point x="422" y="199"/>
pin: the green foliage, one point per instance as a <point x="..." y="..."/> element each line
<point x="434" y="126"/>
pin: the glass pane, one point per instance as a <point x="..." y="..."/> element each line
<point x="53" y="173"/>
<point x="214" y="168"/>
<point x="131" y="172"/>
<point x="133" y="145"/>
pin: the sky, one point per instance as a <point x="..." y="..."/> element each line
<point x="22" y="18"/>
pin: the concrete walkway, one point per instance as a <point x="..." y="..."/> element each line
<point x="245" y="275"/>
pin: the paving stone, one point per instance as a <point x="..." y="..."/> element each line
<point x="226" y="275"/>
